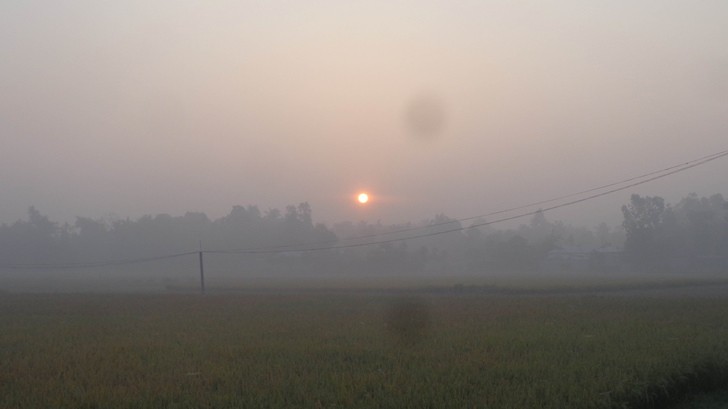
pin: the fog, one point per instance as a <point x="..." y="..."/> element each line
<point x="125" y="109"/>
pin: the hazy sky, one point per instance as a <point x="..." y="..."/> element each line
<point x="144" y="107"/>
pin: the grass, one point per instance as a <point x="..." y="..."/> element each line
<point x="336" y="350"/>
<point x="717" y="400"/>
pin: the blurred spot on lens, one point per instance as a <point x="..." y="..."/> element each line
<point x="425" y="115"/>
<point x="408" y="320"/>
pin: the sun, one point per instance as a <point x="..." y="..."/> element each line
<point x="362" y="198"/>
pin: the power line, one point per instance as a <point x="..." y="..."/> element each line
<point x="93" y="264"/>
<point x="651" y="175"/>
<point x="675" y="169"/>
<point x="636" y="181"/>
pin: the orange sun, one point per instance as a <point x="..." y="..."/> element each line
<point x="362" y="198"/>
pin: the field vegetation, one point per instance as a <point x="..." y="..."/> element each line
<point x="357" y="349"/>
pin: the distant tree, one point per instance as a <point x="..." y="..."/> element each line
<point x="40" y="224"/>
<point x="91" y="239"/>
<point x="323" y="235"/>
<point x="644" y="219"/>
<point x="539" y="220"/>
<point x="34" y="240"/>
<point x="602" y="234"/>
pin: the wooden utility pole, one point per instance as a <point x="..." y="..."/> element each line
<point x="202" y="271"/>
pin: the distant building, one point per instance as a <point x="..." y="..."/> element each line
<point x="574" y="258"/>
<point x="606" y="259"/>
<point x="566" y="258"/>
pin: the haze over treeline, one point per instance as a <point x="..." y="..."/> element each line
<point x="149" y="106"/>
<point x="691" y="235"/>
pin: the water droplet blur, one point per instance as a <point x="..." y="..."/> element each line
<point x="408" y="320"/>
<point x="425" y="116"/>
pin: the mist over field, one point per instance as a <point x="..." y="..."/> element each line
<point x="249" y="249"/>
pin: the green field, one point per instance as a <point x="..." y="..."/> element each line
<point x="357" y="349"/>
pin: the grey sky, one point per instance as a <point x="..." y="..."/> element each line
<point x="144" y="107"/>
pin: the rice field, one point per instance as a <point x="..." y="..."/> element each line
<point x="357" y="350"/>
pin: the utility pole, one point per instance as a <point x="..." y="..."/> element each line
<point x="202" y="271"/>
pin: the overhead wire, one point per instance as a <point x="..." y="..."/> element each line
<point x="666" y="171"/>
<point x="313" y="247"/>
<point x="92" y="264"/>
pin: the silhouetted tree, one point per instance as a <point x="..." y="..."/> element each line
<point x="644" y="219"/>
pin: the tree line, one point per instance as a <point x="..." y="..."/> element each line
<point x="692" y="234"/>
<point x="654" y="235"/>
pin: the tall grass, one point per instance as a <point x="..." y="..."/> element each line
<point x="322" y="350"/>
